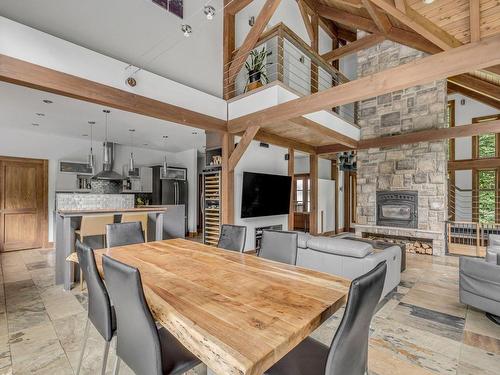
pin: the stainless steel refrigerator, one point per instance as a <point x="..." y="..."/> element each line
<point x="171" y="189"/>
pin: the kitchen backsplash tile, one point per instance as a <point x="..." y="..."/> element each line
<point x="76" y="201"/>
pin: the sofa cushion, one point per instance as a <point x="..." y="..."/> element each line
<point x="302" y="239"/>
<point x="340" y="246"/>
<point x="494" y="240"/>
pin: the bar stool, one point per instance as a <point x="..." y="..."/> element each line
<point x="92" y="225"/>
<point x="143" y="218"/>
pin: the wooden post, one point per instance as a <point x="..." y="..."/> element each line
<point x="227" y="194"/>
<point x="313" y="173"/>
<point x="347" y="201"/>
<point x="291" y="173"/>
<point x="315" y="47"/>
<point x="281" y="55"/>
<point x="477" y="238"/>
<point x="228" y="48"/>
<point x="335" y="176"/>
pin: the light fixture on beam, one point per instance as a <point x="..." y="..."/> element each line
<point x="428" y="1"/>
<point x="187" y="30"/>
<point x="209" y="12"/>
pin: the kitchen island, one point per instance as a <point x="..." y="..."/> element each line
<point x="67" y="221"/>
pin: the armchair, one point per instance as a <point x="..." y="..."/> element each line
<point x="479" y="283"/>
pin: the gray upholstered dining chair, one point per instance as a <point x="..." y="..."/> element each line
<point x="121" y="234"/>
<point x="145" y="348"/>
<point x="100" y="311"/>
<point x="279" y="246"/>
<point x="232" y="237"/>
<point x="348" y="352"/>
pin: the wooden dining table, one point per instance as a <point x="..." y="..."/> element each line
<point x="238" y="313"/>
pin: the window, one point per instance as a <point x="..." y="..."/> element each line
<point x="302" y="193"/>
<point x="486" y="146"/>
<point x="486" y="196"/>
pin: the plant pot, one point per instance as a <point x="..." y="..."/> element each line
<point x="254" y="80"/>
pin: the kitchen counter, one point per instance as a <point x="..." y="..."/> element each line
<point x="145" y="209"/>
<point x="67" y="221"/>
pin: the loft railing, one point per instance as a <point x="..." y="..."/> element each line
<point x="290" y="61"/>
<point x="472" y="217"/>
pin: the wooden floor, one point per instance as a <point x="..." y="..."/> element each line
<point x="421" y="329"/>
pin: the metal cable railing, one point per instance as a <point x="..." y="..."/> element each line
<point x="287" y="60"/>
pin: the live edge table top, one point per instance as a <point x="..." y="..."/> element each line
<point x="236" y="312"/>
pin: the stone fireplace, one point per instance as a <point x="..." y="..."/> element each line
<point x="401" y="190"/>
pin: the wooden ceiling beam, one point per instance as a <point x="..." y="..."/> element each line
<point x="314" y="127"/>
<point x="243" y="144"/>
<point x="235" y="6"/>
<point x="252" y="37"/>
<point x="439" y="66"/>
<point x="420" y="136"/>
<point x="400" y="5"/>
<point x="420" y="24"/>
<point x="477" y="85"/>
<point x="38" y="77"/>
<point x="350" y="48"/>
<point x="266" y="137"/>
<point x="305" y="18"/>
<point x="380" y="18"/>
<point x="454" y="88"/>
<point x="396" y="34"/>
<point x="474" y="20"/>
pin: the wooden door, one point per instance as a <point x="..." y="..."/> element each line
<point x="23" y="204"/>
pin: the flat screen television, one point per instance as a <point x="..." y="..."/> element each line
<point x="265" y="195"/>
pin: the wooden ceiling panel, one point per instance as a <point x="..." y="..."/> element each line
<point x="296" y="132"/>
<point x="453" y="16"/>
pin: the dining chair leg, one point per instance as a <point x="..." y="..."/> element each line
<point x="117" y="365"/>
<point x="81" y="280"/>
<point x="84" y="344"/>
<point x="105" y="358"/>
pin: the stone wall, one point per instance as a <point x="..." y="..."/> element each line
<point x="420" y="166"/>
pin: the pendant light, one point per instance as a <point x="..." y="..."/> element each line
<point x="131" y="162"/>
<point x="165" y="165"/>
<point x="106" y="159"/>
<point x="91" y="159"/>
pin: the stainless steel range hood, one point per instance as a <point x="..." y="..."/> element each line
<point x="107" y="172"/>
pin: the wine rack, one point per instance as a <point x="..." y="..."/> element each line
<point x="211" y="207"/>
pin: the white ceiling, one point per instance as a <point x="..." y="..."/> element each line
<point x="69" y="117"/>
<point x="135" y="31"/>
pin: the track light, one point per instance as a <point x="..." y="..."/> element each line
<point x="209" y="12"/>
<point x="187" y="30"/>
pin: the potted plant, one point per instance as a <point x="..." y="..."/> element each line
<point x="256" y="69"/>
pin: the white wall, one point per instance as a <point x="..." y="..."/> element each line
<point x="463" y="116"/>
<point x="260" y="160"/>
<point x="29" y="144"/>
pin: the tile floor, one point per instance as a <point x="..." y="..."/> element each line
<point x="420" y="329"/>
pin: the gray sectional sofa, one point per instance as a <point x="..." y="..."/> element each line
<point x="348" y="258"/>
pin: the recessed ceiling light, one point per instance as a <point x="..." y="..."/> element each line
<point x="40" y="114"/>
<point x="428" y="1"/>
<point x="85" y="135"/>
<point x="165" y="136"/>
<point x="194" y="133"/>
<point x="47" y="101"/>
<point x="35" y="124"/>
<point x="145" y="144"/>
